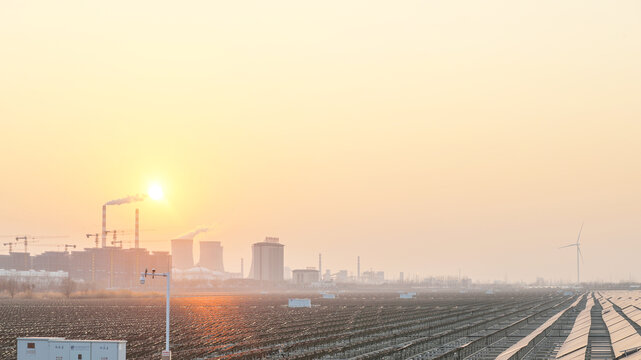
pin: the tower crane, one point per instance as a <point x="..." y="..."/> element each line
<point x="18" y="238"/>
<point x="29" y="239"/>
<point x="96" y="237"/>
<point x="10" y="244"/>
<point x="115" y="240"/>
<point x="67" y="246"/>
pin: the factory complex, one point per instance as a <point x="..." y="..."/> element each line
<point x="108" y="265"/>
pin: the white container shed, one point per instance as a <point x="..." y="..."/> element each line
<point x="39" y="348"/>
<point x="58" y="349"/>
<point x="299" y="303"/>
<point x="35" y="348"/>
<point x="108" y="350"/>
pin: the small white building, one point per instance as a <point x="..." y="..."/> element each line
<point x="299" y="303"/>
<point x="329" y="296"/>
<point x="409" y="295"/>
<point x="57" y="348"/>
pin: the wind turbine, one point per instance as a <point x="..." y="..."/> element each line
<point x="578" y="254"/>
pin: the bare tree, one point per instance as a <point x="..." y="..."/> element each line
<point x="27" y="288"/>
<point x="12" y="287"/>
<point x="67" y="287"/>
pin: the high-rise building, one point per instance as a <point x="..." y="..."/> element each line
<point x="211" y="255"/>
<point x="51" y="261"/>
<point x="182" y="253"/>
<point x="268" y="260"/>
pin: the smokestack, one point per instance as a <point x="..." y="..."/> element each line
<point x="137" y="241"/>
<point x="104" y="225"/>
<point x="242" y="268"/>
<point x="125" y="200"/>
<point x="358" y="267"/>
<point x="320" y="267"/>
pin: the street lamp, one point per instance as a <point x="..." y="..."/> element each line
<point x="166" y="354"/>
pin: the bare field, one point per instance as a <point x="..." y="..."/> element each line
<point x="261" y="326"/>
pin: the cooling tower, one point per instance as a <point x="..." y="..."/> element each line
<point x="211" y="255"/>
<point x="267" y="260"/>
<point x="182" y="253"/>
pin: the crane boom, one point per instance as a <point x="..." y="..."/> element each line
<point x="96" y="237"/>
<point x="10" y="244"/>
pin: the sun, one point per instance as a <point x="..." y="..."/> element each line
<point x="155" y="192"/>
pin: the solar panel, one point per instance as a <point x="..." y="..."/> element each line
<point x="505" y="355"/>
<point x="578" y="338"/>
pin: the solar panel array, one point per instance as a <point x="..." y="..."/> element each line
<point x="531" y="339"/>
<point x="576" y="344"/>
<point x="595" y="325"/>
<point x="622" y="315"/>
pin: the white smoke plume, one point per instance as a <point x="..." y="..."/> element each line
<point x="193" y="233"/>
<point x="127" y="200"/>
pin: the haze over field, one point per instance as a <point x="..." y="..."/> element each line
<point x="426" y="137"/>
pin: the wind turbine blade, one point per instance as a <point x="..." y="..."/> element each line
<point x="579" y="237"/>
<point x="566" y="246"/>
<point x="580" y="253"/>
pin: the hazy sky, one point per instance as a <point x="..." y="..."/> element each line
<point x="424" y="136"/>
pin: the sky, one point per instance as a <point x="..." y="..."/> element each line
<point x="428" y="137"/>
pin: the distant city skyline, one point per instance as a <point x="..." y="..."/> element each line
<point x="425" y="137"/>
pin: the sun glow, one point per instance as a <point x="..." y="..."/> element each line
<point x="155" y="192"/>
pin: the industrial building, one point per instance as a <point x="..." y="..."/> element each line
<point x="373" y="277"/>
<point x="16" y="261"/>
<point x="183" y="253"/>
<point x="267" y="260"/>
<point x="211" y="256"/>
<point x="305" y="276"/>
<point x="342" y="276"/>
<point x="108" y="267"/>
<point x="51" y="261"/>
<point x="114" y="267"/>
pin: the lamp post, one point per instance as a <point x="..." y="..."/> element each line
<point x="166" y="354"/>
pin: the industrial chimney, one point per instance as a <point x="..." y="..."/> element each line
<point x="320" y="268"/>
<point x="104" y="226"/>
<point x="137" y="238"/>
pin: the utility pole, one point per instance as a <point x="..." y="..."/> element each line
<point x="166" y="354"/>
